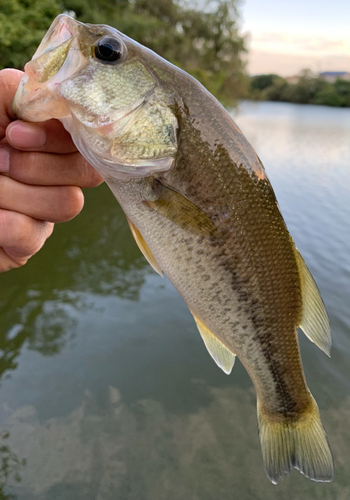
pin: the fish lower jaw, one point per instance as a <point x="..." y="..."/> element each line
<point x="28" y="103"/>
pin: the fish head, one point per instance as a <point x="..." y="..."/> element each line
<point x="106" y="90"/>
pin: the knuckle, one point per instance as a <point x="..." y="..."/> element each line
<point x="22" y="234"/>
<point x="86" y="176"/>
<point x="7" y="261"/>
<point x="49" y="229"/>
<point x="29" y="236"/>
<point x="18" y="172"/>
<point x="93" y="179"/>
<point x="71" y="203"/>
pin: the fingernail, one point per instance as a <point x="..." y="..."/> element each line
<point x="26" y="135"/>
<point x="4" y="159"/>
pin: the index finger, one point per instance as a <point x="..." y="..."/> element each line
<point x="47" y="137"/>
<point x="50" y="136"/>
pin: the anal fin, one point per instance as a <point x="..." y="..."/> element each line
<point x="222" y="356"/>
<point x="314" y="321"/>
<point x="144" y="248"/>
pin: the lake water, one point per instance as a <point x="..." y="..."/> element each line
<point x="107" y="391"/>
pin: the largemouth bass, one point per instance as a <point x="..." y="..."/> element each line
<point x="202" y="211"/>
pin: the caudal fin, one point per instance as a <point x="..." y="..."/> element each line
<point x="299" y="443"/>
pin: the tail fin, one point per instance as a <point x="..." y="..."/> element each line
<point x="299" y="443"/>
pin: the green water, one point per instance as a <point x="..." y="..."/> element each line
<point x="107" y="391"/>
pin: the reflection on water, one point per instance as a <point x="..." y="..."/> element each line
<point x="106" y="388"/>
<point x="41" y="304"/>
<point x="10" y="467"/>
<point x="144" y="451"/>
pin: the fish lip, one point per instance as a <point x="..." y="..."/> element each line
<point x="66" y="30"/>
<point x="19" y="95"/>
<point x="62" y="34"/>
<point x="36" y="86"/>
<point x="34" y="68"/>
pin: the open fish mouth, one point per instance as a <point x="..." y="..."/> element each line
<point x="113" y="108"/>
<point x="49" y="66"/>
<point x="66" y="49"/>
<point x="106" y="106"/>
<point x="52" y="52"/>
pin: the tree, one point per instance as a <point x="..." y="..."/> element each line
<point x="262" y="82"/>
<point x="305" y="90"/>
<point x="22" y="26"/>
<point x="342" y="88"/>
<point x="308" y="89"/>
<point x="203" y="41"/>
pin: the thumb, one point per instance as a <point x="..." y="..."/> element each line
<point x="9" y="81"/>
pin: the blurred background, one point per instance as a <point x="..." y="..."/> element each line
<point x="302" y="49"/>
<point x="106" y="389"/>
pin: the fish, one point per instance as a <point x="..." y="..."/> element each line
<point x="202" y="211"/>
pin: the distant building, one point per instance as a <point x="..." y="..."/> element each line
<point x="332" y="76"/>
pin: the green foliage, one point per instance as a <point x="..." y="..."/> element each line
<point x="342" y="88"/>
<point x="328" y="96"/>
<point x="276" y="91"/>
<point x="22" y="25"/>
<point x="307" y="90"/>
<point x="262" y="82"/>
<point x="203" y="41"/>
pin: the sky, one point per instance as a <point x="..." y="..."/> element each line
<point x="287" y="36"/>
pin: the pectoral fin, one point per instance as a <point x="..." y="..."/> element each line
<point x="144" y="248"/>
<point x="222" y="356"/>
<point x="180" y="210"/>
<point x="314" y="321"/>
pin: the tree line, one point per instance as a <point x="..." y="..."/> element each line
<point x="308" y="89"/>
<point x="202" y="39"/>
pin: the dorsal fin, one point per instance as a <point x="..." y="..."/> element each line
<point x="144" y="248"/>
<point x="222" y="356"/>
<point x="314" y="321"/>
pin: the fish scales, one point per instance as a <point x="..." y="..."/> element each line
<point x="202" y="211"/>
<point x="237" y="266"/>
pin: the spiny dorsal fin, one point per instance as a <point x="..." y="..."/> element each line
<point x="144" y="248"/>
<point x="222" y="356"/>
<point x="180" y="210"/>
<point x="314" y="321"/>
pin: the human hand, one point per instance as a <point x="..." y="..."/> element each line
<point x="41" y="173"/>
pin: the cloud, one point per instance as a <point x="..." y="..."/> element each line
<point x="285" y="64"/>
<point x="286" y="43"/>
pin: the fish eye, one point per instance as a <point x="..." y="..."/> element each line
<point x="108" y="50"/>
